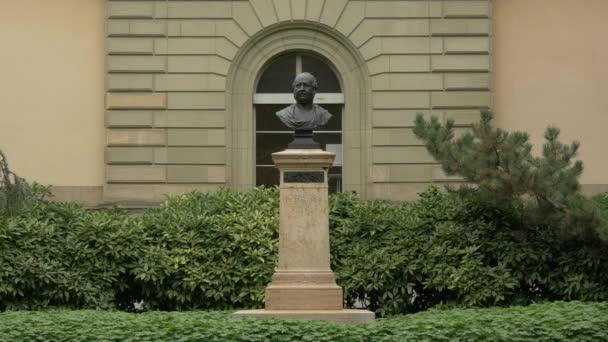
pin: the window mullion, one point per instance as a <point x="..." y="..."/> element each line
<point x="298" y="64"/>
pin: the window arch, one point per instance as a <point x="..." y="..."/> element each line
<point x="241" y="83"/>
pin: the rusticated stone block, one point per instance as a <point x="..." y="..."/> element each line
<point x="135" y="101"/>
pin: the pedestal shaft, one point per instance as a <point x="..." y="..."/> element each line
<point x="304" y="229"/>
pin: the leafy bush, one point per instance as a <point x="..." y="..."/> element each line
<point x="601" y="210"/>
<point x="209" y="251"/>
<point x="547" y="322"/>
<point x="59" y="254"/>
<point x="443" y="250"/>
<point x="219" y="251"/>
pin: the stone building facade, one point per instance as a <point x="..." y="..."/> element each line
<point x="169" y="96"/>
<point x="182" y="77"/>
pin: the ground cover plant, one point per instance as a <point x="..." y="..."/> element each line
<point x="547" y="322"/>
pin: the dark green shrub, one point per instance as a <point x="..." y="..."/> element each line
<point x="601" y="207"/>
<point x="59" y="254"/>
<point x="448" y="250"/>
<point x="219" y="251"/>
<point x="548" y="322"/>
<point x="209" y="251"/>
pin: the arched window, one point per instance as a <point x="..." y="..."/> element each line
<point x="274" y="92"/>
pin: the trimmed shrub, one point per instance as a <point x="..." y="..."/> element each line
<point x="219" y="251"/>
<point x="59" y="254"/>
<point x="209" y="251"/>
<point x="547" y="322"/>
<point x="443" y="250"/>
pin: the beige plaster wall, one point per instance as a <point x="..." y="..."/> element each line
<point x="551" y="68"/>
<point x="52" y="90"/>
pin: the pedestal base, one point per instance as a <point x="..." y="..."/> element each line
<point x="334" y="316"/>
<point x="303" y="297"/>
<point x="303" y="291"/>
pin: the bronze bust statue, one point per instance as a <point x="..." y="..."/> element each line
<point x="304" y="116"/>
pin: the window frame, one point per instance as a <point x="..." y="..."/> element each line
<point x="288" y="99"/>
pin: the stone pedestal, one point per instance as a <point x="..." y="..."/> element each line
<point x="304" y="285"/>
<point x="304" y="279"/>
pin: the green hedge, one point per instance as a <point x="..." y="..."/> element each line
<point x="201" y="251"/>
<point x="59" y="254"/>
<point x="209" y="251"/>
<point x="445" y="250"/>
<point x="547" y="322"/>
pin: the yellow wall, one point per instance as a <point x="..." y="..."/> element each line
<point x="551" y="68"/>
<point x="52" y="90"/>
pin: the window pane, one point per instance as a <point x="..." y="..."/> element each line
<point x="266" y="120"/>
<point x="278" y="77"/>
<point x="267" y="176"/>
<point x="268" y="143"/>
<point x="334" y="179"/>
<point x="327" y="138"/>
<point x="328" y="83"/>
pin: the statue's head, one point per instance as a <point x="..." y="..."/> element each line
<point x="304" y="88"/>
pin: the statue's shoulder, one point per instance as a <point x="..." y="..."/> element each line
<point x="286" y="112"/>
<point x="320" y="109"/>
<point x="287" y="117"/>
<point x="322" y="114"/>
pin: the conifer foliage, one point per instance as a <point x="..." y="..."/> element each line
<point x="503" y="169"/>
<point x="14" y="190"/>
